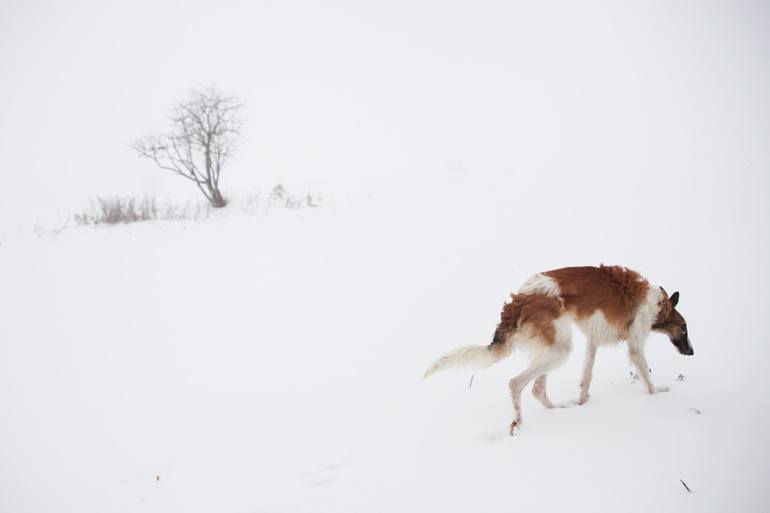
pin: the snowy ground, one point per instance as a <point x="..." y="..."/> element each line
<point x="273" y="362"/>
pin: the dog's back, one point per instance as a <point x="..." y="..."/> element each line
<point x="613" y="291"/>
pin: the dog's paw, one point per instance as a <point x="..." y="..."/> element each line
<point x="657" y="390"/>
<point x="515" y="425"/>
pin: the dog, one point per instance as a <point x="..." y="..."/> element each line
<point x="608" y="304"/>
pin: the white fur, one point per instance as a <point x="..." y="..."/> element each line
<point x="544" y="357"/>
<point x="645" y="315"/>
<point x="540" y="284"/>
<point x="473" y="357"/>
<point x="598" y="332"/>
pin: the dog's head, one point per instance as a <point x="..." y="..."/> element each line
<point x="671" y="322"/>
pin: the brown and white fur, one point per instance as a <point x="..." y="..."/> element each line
<point x="608" y="304"/>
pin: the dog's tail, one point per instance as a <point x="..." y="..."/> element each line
<point x="473" y="357"/>
<point x="534" y="313"/>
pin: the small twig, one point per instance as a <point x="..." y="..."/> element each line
<point x="685" y="486"/>
<point x="471" y="383"/>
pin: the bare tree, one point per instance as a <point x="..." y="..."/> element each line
<point x="204" y="129"/>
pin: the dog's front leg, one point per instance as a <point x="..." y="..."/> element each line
<point x="636" y="355"/>
<point x="588" y="367"/>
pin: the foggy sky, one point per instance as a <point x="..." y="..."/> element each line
<point x="340" y="91"/>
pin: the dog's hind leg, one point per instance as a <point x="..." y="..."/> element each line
<point x="539" y="367"/>
<point x="548" y="338"/>
<point x="517" y="384"/>
<point x="588" y="367"/>
<point x="538" y="390"/>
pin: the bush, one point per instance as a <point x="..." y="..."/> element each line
<point x="119" y="210"/>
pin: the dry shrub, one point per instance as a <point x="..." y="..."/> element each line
<point x="280" y="197"/>
<point x="119" y="210"/>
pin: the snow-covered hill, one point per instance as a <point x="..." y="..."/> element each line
<point x="273" y="362"/>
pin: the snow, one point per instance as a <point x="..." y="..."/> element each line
<point x="272" y="362"/>
<point x="270" y="359"/>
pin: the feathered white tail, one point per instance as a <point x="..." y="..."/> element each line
<point x="474" y="357"/>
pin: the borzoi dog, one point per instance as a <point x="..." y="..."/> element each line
<point x="607" y="303"/>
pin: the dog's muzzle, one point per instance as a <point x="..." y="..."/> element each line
<point x="684" y="346"/>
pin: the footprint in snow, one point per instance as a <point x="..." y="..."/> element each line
<point x="321" y="476"/>
<point x="491" y="437"/>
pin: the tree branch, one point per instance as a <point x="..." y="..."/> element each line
<point x="203" y="132"/>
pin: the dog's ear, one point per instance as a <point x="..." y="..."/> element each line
<point x="665" y="294"/>
<point x="674" y="298"/>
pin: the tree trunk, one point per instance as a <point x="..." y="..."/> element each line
<point x="217" y="201"/>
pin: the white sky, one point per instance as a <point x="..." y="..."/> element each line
<point x="338" y="91"/>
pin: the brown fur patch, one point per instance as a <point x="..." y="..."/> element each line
<point x="668" y="321"/>
<point x="616" y="291"/>
<point x="664" y="308"/>
<point x="533" y="312"/>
